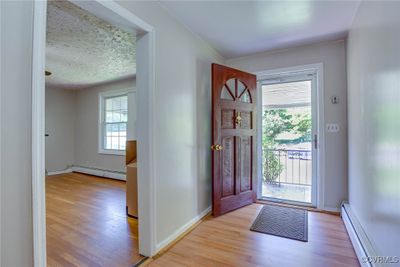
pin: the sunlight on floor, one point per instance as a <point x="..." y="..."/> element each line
<point x="282" y="191"/>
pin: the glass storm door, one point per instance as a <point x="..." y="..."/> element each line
<point x="289" y="139"/>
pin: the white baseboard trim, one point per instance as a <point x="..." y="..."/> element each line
<point x="92" y="171"/>
<point x="181" y="230"/>
<point x="59" y="172"/>
<point x="100" y="173"/>
<point x="331" y="209"/>
<point x="358" y="237"/>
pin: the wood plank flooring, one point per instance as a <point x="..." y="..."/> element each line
<point x="87" y="224"/>
<point x="227" y="241"/>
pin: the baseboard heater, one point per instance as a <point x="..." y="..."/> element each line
<point x="359" y="239"/>
<point x="93" y="171"/>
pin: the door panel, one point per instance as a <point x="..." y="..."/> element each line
<point x="245" y="151"/>
<point x="227" y="119"/>
<point x="233" y="130"/>
<point x="245" y="122"/>
<point x="228" y="171"/>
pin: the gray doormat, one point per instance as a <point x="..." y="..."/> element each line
<point x="282" y="221"/>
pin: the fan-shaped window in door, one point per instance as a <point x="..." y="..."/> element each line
<point x="245" y="97"/>
<point x="226" y="93"/>
<point x="234" y="89"/>
<point x="240" y="88"/>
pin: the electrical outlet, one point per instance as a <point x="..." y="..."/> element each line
<point x="332" y="127"/>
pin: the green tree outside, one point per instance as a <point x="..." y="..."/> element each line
<point x="294" y="121"/>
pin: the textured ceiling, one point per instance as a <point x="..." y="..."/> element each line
<point x="84" y="50"/>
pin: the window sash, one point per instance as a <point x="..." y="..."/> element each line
<point x="115" y="114"/>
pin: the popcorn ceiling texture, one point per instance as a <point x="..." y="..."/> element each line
<point x="83" y="50"/>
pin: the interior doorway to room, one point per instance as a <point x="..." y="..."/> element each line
<point x="91" y="155"/>
<point x="118" y="16"/>
<point x="289" y="138"/>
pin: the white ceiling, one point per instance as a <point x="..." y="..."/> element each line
<point x="238" y="28"/>
<point x="83" y="50"/>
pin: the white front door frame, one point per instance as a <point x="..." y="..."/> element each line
<point x="316" y="69"/>
<point x="145" y="84"/>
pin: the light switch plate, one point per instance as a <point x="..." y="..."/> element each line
<point x="332" y="127"/>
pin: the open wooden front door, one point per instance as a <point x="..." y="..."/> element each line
<point x="234" y="138"/>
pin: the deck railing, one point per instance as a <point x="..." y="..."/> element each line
<point x="288" y="166"/>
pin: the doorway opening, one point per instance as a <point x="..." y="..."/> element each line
<point x="289" y="138"/>
<point x="90" y="139"/>
<point x="118" y="16"/>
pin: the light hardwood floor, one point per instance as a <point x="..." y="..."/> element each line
<point x="227" y="241"/>
<point x="87" y="224"/>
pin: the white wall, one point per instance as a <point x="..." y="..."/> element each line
<point x="333" y="56"/>
<point x="72" y="118"/>
<point x="60" y="126"/>
<point x="374" y="124"/>
<point x="86" y="128"/>
<point x="15" y="98"/>
<point x="183" y="120"/>
<point x="183" y="138"/>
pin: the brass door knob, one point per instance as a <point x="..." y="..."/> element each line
<point x="216" y="147"/>
<point x="238" y="119"/>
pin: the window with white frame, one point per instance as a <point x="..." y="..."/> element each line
<point x="113" y="123"/>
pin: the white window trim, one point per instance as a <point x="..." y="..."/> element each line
<point x="102" y="96"/>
